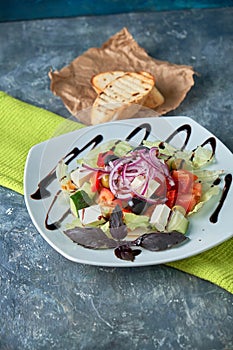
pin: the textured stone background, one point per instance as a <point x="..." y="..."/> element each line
<point x="35" y="9"/>
<point x="48" y="302"/>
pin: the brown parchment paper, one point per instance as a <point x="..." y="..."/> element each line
<point x="121" y="52"/>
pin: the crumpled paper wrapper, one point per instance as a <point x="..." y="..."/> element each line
<point x="121" y="52"/>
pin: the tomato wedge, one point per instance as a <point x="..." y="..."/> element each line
<point x="105" y="196"/>
<point x="101" y="157"/>
<point x="171" y="198"/>
<point x="184" y="180"/>
<point x="187" y="201"/>
<point x="186" y="191"/>
<point x="96" y="181"/>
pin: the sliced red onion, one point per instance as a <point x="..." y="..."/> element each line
<point x="103" y="170"/>
<point x="123" y="171"/>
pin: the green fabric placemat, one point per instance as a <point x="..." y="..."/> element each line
<point x="23" y="126"/>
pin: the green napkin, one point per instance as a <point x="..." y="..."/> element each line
<point x="23" y="126"/>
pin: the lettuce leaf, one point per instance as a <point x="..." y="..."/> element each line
<point x="202" y="157"/>
<point x="206" y="196"/>
<point x="120" y="149"/>
<point x="168" y="150"/>
<point x="208" y="175"/>
<point x="134" y="221"/>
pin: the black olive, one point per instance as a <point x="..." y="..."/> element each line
<point x="137" y="205"/>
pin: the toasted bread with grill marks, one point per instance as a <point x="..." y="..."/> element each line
<point x="101" y="80"/>
<point x="127" y="89"/>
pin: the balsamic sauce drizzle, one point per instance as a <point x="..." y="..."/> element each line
<point x="228" y="181"/>
<point x="216" y="182"/>
<point x="42" y="191"/>
<point x="145" y="126"/>
<point x="56" y="224"/>
<point x="212" y="142"/>
<point x="76" y="151"/>
<point x="185" y="127"/>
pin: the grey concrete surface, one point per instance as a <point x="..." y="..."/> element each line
<point x="48" y="302"/>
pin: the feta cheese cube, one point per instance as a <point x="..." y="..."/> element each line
<point x="159" y="217"/>
<point x="152" y="187"/>
<point x="138" y="182"/>
<point x="80" y="176"/>
<point x="90" y="214"/>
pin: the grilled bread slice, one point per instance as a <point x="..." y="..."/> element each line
<point x="154" y="99"/>
<point x="100" y="81"/>
<point x="128" y="89"/>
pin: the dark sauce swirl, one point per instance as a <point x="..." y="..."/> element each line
<point x="145" y="126"/>
<point x="228" y="181"/>
<point x="187" y="128"/>
<point x="42" y="191"/>
<point x="212" y="142"/>
<point x="216" y="182"/>
<point x="56" y="224"/>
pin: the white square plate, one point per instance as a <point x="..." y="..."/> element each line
<point x="43" y="158"/>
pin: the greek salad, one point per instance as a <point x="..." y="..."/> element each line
<point x="155" y="186"/>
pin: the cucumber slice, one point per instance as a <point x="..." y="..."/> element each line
<point x="79" y="200"/>
<point x="177" y="222"/>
